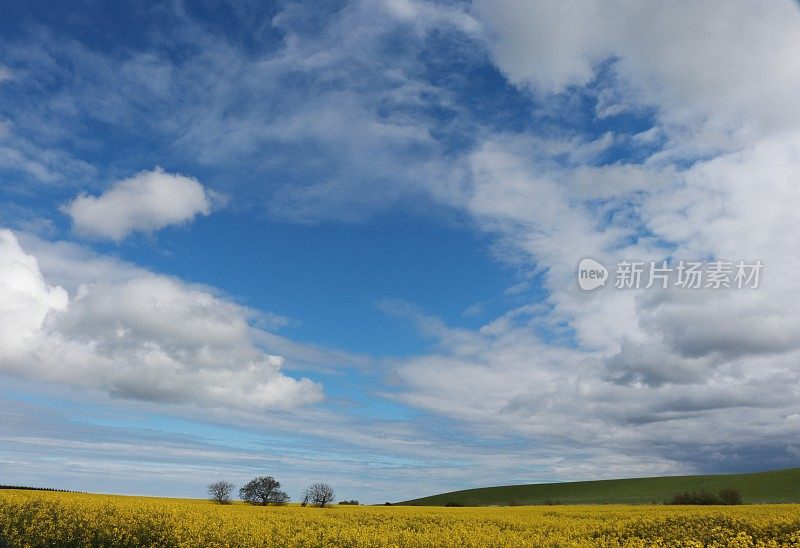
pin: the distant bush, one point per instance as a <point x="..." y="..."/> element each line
<point x="515" y="502"/>
<point x="701" y="497"/>
<point x="350" y="502"/>
<point x="730" y="496"/>
<point x="549" y="502"/>
<point x="472" y="501"/>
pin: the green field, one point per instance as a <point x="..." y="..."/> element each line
<point x="761" y="487"/>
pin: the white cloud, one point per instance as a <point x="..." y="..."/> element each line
<point x="721" y="79"/>
<point x="146" y="202"/>
<point x="641" y="367"/>
<point x="549" y="45"/>
<point x="39" y="162"/>
<point x="504" y="380"/>
<point x="26" y="299"/>
<point x="143" y="336"/>
<point x="732" y="61"/>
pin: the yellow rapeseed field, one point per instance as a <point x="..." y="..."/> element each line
<point x="33" y="519"/>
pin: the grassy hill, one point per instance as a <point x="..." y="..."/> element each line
<point x="775" y="486"/>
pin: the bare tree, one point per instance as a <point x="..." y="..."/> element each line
<point x="221" y="491"/>
<point x="318" y="494"/>
<point x="730" y="496"/>
<point x="263" y="490"/>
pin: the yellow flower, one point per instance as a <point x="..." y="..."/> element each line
<point x="33" y="519"/>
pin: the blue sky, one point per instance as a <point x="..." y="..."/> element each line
<point x="337" y="241"/>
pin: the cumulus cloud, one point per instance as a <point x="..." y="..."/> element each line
<point x="636" y="368"/>
<point x="685" y="57"/>
<point x="146" y="337"/>
<point x="644" y="400"/>
<point x="560" y="49"/>
<point x="26" y="299"/>
<point x="146" y="202"/>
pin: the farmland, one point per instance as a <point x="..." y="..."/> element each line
<point x="38" y="519"/>
<point x="777" y="486"/>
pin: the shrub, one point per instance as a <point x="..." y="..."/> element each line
<point x="701" y="497"/>
<point x="350" y="502"/>
<point x="454" y="504"/>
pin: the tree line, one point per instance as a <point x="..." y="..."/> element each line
<point x="265" y="490"/>
<point x="726" y="496"/>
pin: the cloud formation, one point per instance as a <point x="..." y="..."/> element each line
<point x="141" y="336"/>
<point x="26" y="299"/>
<point x="328" y="132"/>
<point x="146" y="202"/>
<point x="637" y="371"/>
<point x="703" y="65"/>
